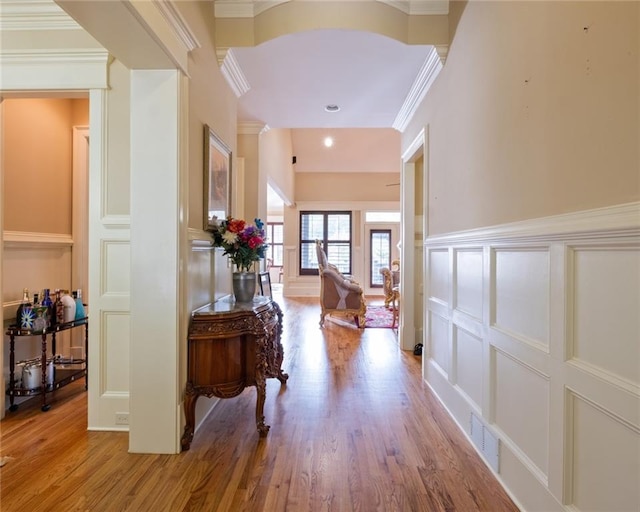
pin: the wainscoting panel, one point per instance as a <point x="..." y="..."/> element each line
<point x="606" y="320"/>
<point x="606" y="458"/>
<point x="468" y="282"/>
<point x="439" y="275"/>
<point x="438" y="348"/>
<point x="521" y="284"/>
<point x="116" y="272"/>
<point x="114" y="355"/>
<point x="521" y="407"/>
<point x="534" y="328"/>
<point x="467" y="372"/>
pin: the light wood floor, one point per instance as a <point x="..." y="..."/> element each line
<point x="354" y="429"/>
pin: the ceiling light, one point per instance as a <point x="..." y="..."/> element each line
<point x="332" y="108"/>
<point x="328" y="141"/>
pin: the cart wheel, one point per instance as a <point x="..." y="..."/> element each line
<point x="45" y="408"/>
<point x="13" y="408"/>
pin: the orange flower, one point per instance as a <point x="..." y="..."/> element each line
<point x="235" y="225"/>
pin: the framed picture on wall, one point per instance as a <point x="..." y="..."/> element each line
<point x="217" y="177"/>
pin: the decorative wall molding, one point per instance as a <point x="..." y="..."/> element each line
<point x="116" y="221"/>
<point x="199" y="239"/>
<point x="40" y="69"/>
<point x="427" y="74"/>
<point x="24" y="239"/>
<point x="248" y="9"/>
<point x="243" y="9"/>
<point x="588" y="308"/>
<point x="252" y="128"/>
<point x="35" y="15"/>
<point x="420" y="7"/>
<point x="611" y="221"/>
<point x="233" y="74"/>
<point x="178" y="24"/>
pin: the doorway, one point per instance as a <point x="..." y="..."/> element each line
<point x="381" y="248"/>
<point x="45" y="205"/>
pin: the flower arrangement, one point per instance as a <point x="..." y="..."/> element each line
<point x="244" y="243"/>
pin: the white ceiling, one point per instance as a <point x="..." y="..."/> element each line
<point x="287" y="82"/>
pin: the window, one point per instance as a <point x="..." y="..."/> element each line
<point x="380" y="254"/>
<point x="334" y="230"/>
<point x="275" y="239"/>
<point x="385" y="217"/>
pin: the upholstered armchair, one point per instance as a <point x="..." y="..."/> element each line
<point x="339" y="294"/>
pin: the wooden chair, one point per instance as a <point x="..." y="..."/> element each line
<point x="389" y="287"/>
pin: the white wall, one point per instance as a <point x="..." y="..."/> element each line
<point x="534" y="328"/>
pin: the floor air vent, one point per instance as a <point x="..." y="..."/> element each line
<point x="485" y="441"/>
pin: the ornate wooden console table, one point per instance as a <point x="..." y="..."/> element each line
<point x="232" y="346"/>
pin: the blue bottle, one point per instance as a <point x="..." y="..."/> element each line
<point x="48" y="303"/>
<point x="77" y="296"/>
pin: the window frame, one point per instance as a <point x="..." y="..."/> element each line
<point x="372" y="233"/>
<point x="270" y="237"/>
<point x="325" y="239"/>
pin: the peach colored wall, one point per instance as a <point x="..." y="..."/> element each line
<point x="80" y="112"/>
<point x="37" y="164"/>
<point x="211" y="102"/>
<point x="354" y="186"/>
<point x="535" y="113"/>
<point x="249" y="149"/>
<point x="275" y="160"/>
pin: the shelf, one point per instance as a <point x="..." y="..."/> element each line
<point x="66" y="370"/>
<point x="62" y="377"/>
<point x="16" y="331"/>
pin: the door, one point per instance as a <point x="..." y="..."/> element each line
<point x="380" y="250"/>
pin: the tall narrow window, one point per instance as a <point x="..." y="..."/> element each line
<point x="334" y="230"/>
<point x="275" y="239"/>
<point x="380" y="251"/>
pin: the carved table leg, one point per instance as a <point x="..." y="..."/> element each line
<point x="190" y="413"/>
<point x="261" y="387"/>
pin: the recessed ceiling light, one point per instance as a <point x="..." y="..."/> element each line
<point x="328" y="141"/>
<point x="332" y="108"/>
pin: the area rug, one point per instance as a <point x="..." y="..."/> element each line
<point x="378" y="316"/>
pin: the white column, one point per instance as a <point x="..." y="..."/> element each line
<point x="155" y="250"/>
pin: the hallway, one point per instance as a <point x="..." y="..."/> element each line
<point x="354" y="429"/>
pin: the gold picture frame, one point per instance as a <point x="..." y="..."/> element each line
<point x="217" y="178"/>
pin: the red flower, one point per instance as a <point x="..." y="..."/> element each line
<point x="254" y="242"/>
<point x="235" y="225"/>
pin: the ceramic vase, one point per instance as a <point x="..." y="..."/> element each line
<point x="244" y="286"/>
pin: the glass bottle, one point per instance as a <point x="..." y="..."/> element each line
<point x="77" y="295"/>
<point x="69" y="307"/>
<point x="48" y="303"/>
<point x="35" y="299"/>
<point x="24" y="303"/>
<point x="59" y="307"/>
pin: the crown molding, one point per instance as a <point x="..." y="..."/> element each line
<point x="234" y="75"/>
<point x="178" y="24"/>
<point x="35" y="15"/>
<point x="243" y="9"/>
<point x="253" y="128"/>
<point x="65" y="69"/>
<point x="249" y="9"/>
<point x="428" y="73"/>
<point x="419" y="7"/>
